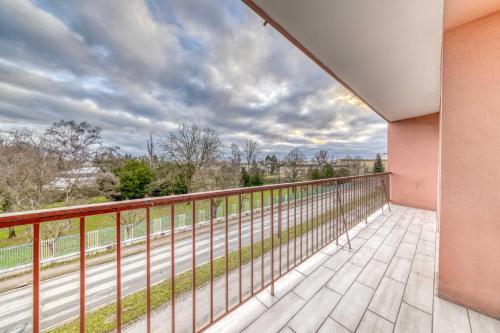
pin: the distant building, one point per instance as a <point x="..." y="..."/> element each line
<point x="82" y="177"/>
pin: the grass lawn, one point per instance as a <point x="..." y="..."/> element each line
<point x="108" y="220"/>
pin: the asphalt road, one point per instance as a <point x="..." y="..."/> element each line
<point x="60" y="296"/>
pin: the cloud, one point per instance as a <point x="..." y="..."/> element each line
<point x="145" y="66"/>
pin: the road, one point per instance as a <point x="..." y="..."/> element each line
<point x="60" y="296"/>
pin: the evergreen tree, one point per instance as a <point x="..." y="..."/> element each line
<point x="274" y="164"/>
<point x="168" y="179"/>
<point x="256" y="177"/>
<point x="378" y="166"/>
<point x="134" y="177"/>
<point x="315" y="174"/>
<point x="327" y="171"/>
<point x="252" y="178"/>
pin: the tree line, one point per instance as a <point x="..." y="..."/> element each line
<point x="59" y="165"/>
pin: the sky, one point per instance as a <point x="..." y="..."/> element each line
<point x="147" y="66"/>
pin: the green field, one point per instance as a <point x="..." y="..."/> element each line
<point x="109" y="220"/>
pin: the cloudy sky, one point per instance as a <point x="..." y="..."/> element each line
<point x="146" y="66"/>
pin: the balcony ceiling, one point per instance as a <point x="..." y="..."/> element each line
<point x="388" y="52"/>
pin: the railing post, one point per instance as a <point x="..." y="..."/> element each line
<point x="226" y="248"/>
<point x="339" y="202"/>
<point x="301" y="220"/>
<point x="36" y="278"/>
<point x="280" y="238"/>
<point x="365" y="208"/>
<point x="295" y="225"/>
<point x="240" y="292"/>
<point x="193" y="267"/>
<point x="82" y="274"/>
<point x="287" y="229"/>
<point x="211" y="261"/>
<point x="272" y="242"/>
<point x="118" y="274"/>
<point x="336" y="224"/>
<point x="307" y="221"/>
<point x="251" y="244"/>
<point x="386" y="196"/>
<point x="148" y="269"/>
<point x="262" y="239"/>
<point x="317" y="218"/>
<point x="172" y="263"/>
<point x="331" y="215"/>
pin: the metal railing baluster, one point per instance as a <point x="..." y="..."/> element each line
<point x="118" y="273"/>
<point x="82" y="274"/>
<point x="172" y="264"/>
<point x="193" y="264"/>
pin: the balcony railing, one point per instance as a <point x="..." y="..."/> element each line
<point x="230" y="245"/>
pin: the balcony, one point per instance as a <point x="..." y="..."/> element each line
<point x="318" y="256"/>
<point x="431" y="70"/>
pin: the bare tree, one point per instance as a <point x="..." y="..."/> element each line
<point x="279" y="164"/>
<point x="27" y="167"/>
<point x="321" y="157"/>
<point x="251" y="151"/>
<point x="4" y="206"/>
<point x="107" y="158"/>
<point x="356" y="165"/>
<point x="192" y="147"/>
<point x="56" y="230"/>
<point x="129" y="219"/>
<point x="235" y="155"/>
<point x="76" y="144"/>
<point x="293" y="160"/>
<point x="150" y="144"/>
<point x="218" y="177"/>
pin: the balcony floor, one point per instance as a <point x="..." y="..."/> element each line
<point x="386" y="283"/>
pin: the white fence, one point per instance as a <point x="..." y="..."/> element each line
<point x="20" y="256"/>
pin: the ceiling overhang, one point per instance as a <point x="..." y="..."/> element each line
<point x="387" y="52"/>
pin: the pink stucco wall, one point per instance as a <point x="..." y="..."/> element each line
<point x="413" y="160"/>
<point x="469" y="257"/>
